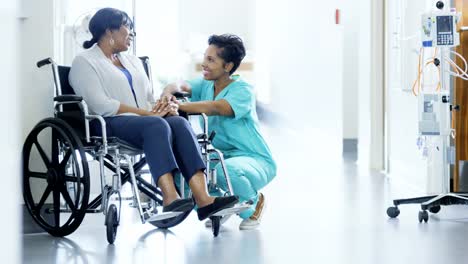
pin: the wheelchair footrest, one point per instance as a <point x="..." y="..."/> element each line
<point x="238" y="208"/>
<point x="162" y="216"/>
<point x="144" y="205"/>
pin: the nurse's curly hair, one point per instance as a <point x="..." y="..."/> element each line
<point x="232" y="49"/>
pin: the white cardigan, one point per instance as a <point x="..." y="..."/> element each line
<point x="104" y="86"/>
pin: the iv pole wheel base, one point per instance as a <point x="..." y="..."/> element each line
<point x="435" y="209"/>
<point x="423" y="216"/>
<point x="393" y="212"/>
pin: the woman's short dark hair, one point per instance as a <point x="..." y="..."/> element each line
<point x="232" y="49"/>
<point x="106" y="18"/>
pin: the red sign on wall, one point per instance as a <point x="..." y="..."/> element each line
<point x="337" y="16"/>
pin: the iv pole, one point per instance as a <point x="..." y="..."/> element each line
<point x="433" y="203"/>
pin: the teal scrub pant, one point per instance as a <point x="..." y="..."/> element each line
<point x="248" y="175"/>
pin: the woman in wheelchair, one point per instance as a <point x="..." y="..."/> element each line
<point x="115" y="86"/>
<point x="230" y="104"/>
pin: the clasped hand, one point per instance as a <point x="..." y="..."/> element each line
<point x="166" y="106"/>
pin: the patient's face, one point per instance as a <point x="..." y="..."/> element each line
<point x="213" y="65"/>
<point x="122" y="39"/>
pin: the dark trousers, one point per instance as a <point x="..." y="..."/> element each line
<point x="169" y="144"/>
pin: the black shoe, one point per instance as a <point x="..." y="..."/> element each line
<point x="219" y="204"/>
<point x="179" y="205"/>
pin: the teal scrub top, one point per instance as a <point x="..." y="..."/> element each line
<point x="238" y="135"/>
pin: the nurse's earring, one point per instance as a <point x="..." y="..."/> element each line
<point x="111" y="41"/>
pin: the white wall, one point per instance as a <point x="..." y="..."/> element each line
<point x="36" y="43"/>
<point x="364" y="107"/>
<point x="36" y="86"/>
<point x="376" y="159"/>
<point x="371" y="84"/>
<point x="157" y="29"/>
<point x="350" y="18"/>
<point x="305" y="66"/>
<point x="208" y="17"/>
<point x="10" y="248"/>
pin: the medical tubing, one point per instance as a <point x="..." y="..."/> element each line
<point x="417" y="82"/>
<point x="460" y="73"/>
<point x="461" y="57"/>
<point x="459" y="70"/>
<point x="454" y="67"/>
<point x="419" y="73"/>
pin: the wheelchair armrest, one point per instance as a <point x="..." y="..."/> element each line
<point x="180" y="95"/>
<point x="102" y="122"/>
<point x="68" y="98"/>
<point x="201" y="136"/>
<point x="204" y="136"/>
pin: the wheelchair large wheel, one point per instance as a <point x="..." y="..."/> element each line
<point x="55" y="177"/>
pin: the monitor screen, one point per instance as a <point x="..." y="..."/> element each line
<point x="444" y="24"/>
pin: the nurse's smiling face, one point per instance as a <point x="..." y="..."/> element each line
<point x="213" y="66"/>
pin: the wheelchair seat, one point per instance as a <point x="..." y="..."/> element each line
<point x="125" y="147"/>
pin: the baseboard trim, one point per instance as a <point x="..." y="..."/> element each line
<point x="350" y="145"/>
<point x="29" y="226"/>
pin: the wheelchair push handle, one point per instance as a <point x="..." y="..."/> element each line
<point x="44" y="62"/>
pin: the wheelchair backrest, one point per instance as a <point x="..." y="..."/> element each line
<point x="71" y="113"/>
<point x="146" y="66"/>
<point x="65" y="86"/>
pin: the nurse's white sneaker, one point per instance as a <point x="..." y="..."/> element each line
<point x="254" y="221"/>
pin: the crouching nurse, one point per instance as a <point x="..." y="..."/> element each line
<point x="230" y="105"/>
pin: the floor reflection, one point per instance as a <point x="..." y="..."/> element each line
<point x="56" y="249"/>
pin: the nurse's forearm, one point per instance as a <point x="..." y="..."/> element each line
<point x="207" y="107"/>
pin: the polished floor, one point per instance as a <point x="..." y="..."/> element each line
<point x="322" y="208"/>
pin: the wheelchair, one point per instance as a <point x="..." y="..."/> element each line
<point x="55" y="163"/>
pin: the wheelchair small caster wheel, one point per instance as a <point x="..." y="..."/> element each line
<point x="112" y="222"/>
<point x="423" y="216"/>
<point x="215" y="225"/>
<point x="435" y="209"/>
<point x="393" y="212"/>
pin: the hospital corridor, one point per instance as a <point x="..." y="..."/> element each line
<point x="250" y="132"/>
<point x="304" y="222"/>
